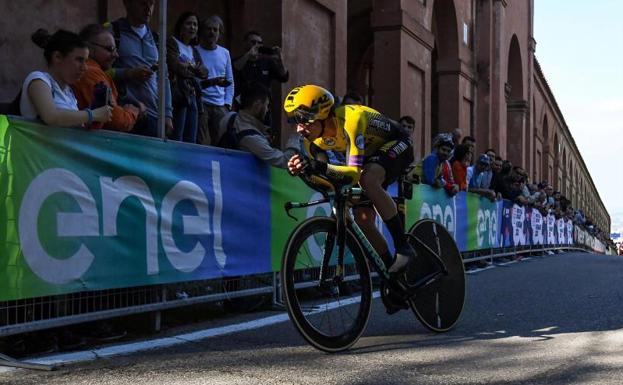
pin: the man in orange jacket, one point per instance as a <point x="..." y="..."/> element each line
<point x="102" y="54"/>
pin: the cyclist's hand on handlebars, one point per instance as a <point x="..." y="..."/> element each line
<point x="297" y="164"/>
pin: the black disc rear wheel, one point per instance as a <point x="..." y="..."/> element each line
<point x="438" y="305"/>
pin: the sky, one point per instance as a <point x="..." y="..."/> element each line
<point x="580" y="49"/>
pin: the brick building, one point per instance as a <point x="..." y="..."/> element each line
<point x="449" y="63"/>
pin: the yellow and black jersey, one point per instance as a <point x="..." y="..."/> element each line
<point x="361" y="131"/>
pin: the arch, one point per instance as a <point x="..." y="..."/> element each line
<point x="563" y="188"/>
<point x="445" y="65"/>
<point x="515" y="71"/>
<point x="360" y="45"/>
<point x="556" y="174"/>
<point x="546" y="150"/>
<point x="538" y="145"/>
<point x="518" y="146"/>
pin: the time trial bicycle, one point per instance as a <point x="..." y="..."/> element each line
<point x="326" y="280"/>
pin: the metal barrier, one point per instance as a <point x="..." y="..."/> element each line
<point x="42" y="313"/>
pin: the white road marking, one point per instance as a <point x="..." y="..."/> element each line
<point x="129" y="348"/>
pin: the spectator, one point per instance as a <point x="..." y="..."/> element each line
<point x="496" y="174"/>
<point x="48" y="95"/>
<point x="457" y="134"/>
<point x="102" y="55"/>
<point x="407" y="122"/>
<point x="250" y="132"/>
<point x="579" y="217"/>
<point x="352" y="97"/>
<point x="470" y="141"/>
<point x="500" y="182"/>
<point x="259" y="64"/>
<point x="138" y="59"/>
<point x="462" y="159"/>
<point x="512" y="189"/>
<point x="525" y="192"/>
<point x="184" y="70"/>
<point x="218" y="91"/>
<point x="435" y="170"/>
<point x="491" y="154"/>
<point x="480" y="180"/>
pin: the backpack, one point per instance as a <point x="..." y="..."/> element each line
<point x="230" y="139"/>
<point x="116" y="32"/>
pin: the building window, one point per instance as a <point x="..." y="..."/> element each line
<point x="465" y="33"/>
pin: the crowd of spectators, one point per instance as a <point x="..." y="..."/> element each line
<point x="453" y="166"/>
<point x="106" y="76"/>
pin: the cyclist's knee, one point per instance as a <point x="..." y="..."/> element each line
<point x="364" y="216"/>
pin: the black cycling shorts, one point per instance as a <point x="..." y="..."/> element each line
<point x="394" y="157"/>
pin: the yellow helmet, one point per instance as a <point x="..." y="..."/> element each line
<point x="308" y="103"/>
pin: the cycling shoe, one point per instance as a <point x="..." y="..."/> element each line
<point x="403" y="258"/>
<point x="393" y="303"/>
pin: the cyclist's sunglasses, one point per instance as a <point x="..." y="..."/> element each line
<point x="302" y="117"/>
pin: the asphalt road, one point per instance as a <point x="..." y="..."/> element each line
<point x="552" y="320"/>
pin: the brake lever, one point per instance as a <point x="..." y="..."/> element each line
<point x="289" y="206"/>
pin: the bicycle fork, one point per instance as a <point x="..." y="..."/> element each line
<point x="327" y="282"/>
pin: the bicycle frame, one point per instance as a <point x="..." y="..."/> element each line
<point x="338" y="200"/>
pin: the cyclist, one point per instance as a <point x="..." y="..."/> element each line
<point x="377" y="150"/>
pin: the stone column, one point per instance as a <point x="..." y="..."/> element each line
<point x="402" y="57"/>
<point x="517" y="114"/>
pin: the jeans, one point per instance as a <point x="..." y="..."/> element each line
<point x="185" y="122"/>
<point x="209" y="124"/>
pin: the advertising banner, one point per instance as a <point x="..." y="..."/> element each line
<point x="85" y="211"/>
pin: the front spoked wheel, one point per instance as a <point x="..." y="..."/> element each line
<point x="331" y="316"/>
<point x="438" y="305"/>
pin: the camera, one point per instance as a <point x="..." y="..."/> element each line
<point x="264" y="50"/>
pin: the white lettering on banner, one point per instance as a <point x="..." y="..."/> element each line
<point x="569" y="232"/>
<point x="481" y="226"/>
<point x="113" y="194"/>
<point x="493" y="233"/>
<point x="191" y="224"/>
<point x="486" y="227"/>
<point x="518" y="217"/>
<point x="219" y="252"/>
<point x="537" y="227"/>
<point x="551" y="223"/>
<point x="86" y="223"/>
<point x="444" y="216"/>
<point x="561" y="231"/>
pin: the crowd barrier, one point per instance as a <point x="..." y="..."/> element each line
<point x="102" y="224"/>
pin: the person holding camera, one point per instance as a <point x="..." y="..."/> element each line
<point x="259" y="64"/>
<point x="217" y="91"/>
<point x="102" y="54"/>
